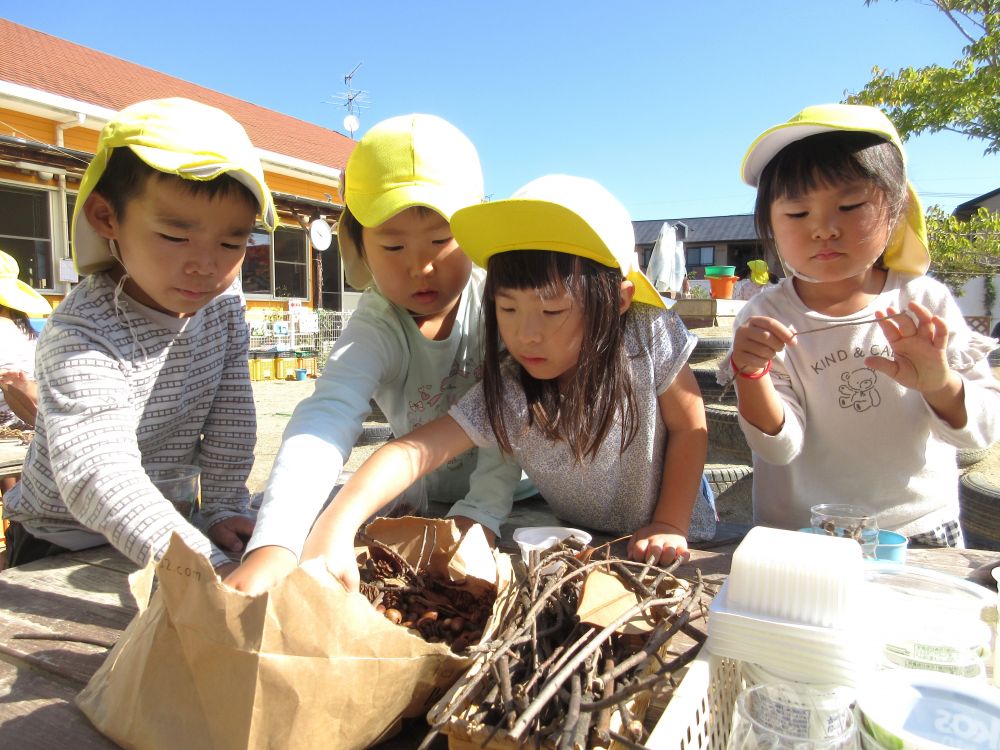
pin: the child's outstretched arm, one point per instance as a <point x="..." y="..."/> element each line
<point x="388" y="472"/>
<point x="920" y="362"/>
<point x="755" y="343"/>
<point x="683" y="411"/>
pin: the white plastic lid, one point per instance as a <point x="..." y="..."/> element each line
<point x="916" y="709"/>
<point x="926" y="614"/>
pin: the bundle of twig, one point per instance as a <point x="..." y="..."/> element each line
<point x="552" y="680"/>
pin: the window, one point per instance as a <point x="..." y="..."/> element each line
<point x="700" y="256"/>
<point x="291" y="263"/>
<point x="277" y="264"/>
<point x="257" y="264"/>
<point x="26" y="233"/>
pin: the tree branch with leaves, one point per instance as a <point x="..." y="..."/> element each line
<point x="963" y="98"/>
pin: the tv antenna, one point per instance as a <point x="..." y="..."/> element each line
<point x="352" y="100"/>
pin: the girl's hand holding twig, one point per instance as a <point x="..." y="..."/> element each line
<point x="756" y="342"/>
<point x="919" y="345"/>
<point x="659" y="542"/>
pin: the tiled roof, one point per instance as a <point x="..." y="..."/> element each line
<point x="700" y="230"/>
<point x="41" y="61"/>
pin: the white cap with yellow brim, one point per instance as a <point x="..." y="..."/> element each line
<point x="907" y="248"/>
<point x="174" y="136"/>
<point x="559" y="213"/>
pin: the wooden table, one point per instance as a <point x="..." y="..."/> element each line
<point x="12" y="452"/>
<point x="84" y="596"/>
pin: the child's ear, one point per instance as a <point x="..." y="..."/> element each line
<point x="101" y="215"/>
<point x="625" y="296"/>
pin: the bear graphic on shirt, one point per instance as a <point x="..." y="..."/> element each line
<point x="858" y="390"/>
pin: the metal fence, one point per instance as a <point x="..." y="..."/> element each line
<point x="273" y="330"/>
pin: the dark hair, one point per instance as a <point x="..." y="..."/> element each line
<point x="830" y="159"/>
<point x="20" y="319"/>
<point x="350" y="224"/>
<point x="355" y="230"/>
<point x="601" y="387"/>
<point x="126" y="177"/>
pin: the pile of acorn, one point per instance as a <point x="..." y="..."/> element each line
<point x="441" y="611"/>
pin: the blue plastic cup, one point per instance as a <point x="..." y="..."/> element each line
<point x="891" y="546"/>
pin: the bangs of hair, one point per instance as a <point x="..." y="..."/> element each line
<point x="583" y="413"/>
<point x="126" y="176"/>
<point x="828" y="159"/>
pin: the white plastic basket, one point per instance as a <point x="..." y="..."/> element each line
<point x="700" y="712"/>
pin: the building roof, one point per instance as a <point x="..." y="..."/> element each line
<point x="965" y="210"/>
<point x="47" y="63"/>
<point x="700" y="230"/>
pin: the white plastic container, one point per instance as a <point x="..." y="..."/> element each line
<point x="533" y="540"/>
<point x="802" y="653"/>
<point x="917" y="710"/>
<point x="923" y="619"/>
<point x="809" y="579"/>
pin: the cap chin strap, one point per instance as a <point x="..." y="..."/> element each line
<point x="799" y="274"/>
<point x="120" y="311"/>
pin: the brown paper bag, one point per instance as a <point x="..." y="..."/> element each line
<point x="306" y="664"/>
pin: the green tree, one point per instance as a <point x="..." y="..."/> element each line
<point x="964" y="250"/>
<point x="963" y="98"/>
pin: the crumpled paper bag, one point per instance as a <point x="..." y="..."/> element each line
<point x="306" y="664"/>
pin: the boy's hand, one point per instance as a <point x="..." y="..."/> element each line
<point x="232" y="534"/>
<point x="920" y="349"/>
<point x="261" y="570"/>
<point x="757" y="341"/>
<point x="660" y="542"/>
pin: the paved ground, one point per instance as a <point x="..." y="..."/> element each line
<point x="276" y="400"/>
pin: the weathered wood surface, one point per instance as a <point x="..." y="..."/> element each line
<point x="37" y="713"/>
<point x="85" y="595"/>
<point x="12" y="452"/>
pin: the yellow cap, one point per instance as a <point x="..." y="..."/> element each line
<point x="17" y="295"/>
<point x="759" y="272"/>
<point x="406" y="161"/>
<point x="175" y="136"/>
<point x="561" y="213"/>
<point x="907" y="248"/>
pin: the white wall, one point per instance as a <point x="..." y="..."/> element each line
<point x="971" y="302"/>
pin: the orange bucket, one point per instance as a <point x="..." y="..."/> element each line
<point x="722" y="286"/>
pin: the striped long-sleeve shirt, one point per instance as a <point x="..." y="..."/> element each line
<point x="126" y="389"/>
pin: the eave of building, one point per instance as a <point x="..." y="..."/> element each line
<point x="61" y="109"/>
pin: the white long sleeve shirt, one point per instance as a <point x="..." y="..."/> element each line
<point x="852" y="435"/>
<point x="383" y="355"/>
<point x="128" y="389"/>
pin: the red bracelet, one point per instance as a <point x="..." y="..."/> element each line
<point x="755" y="376"/>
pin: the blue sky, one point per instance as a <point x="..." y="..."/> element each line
<point x="657" y="100"/>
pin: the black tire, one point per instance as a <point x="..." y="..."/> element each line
<point x="980" y="511"/>
<point x="710" y="348"/>
<point x="723" y="476"/>
<point x="374" y="434"/>
<point x="724" y="433"/>
<point x="710" y="388"/>
<point x="967" y="457"/>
